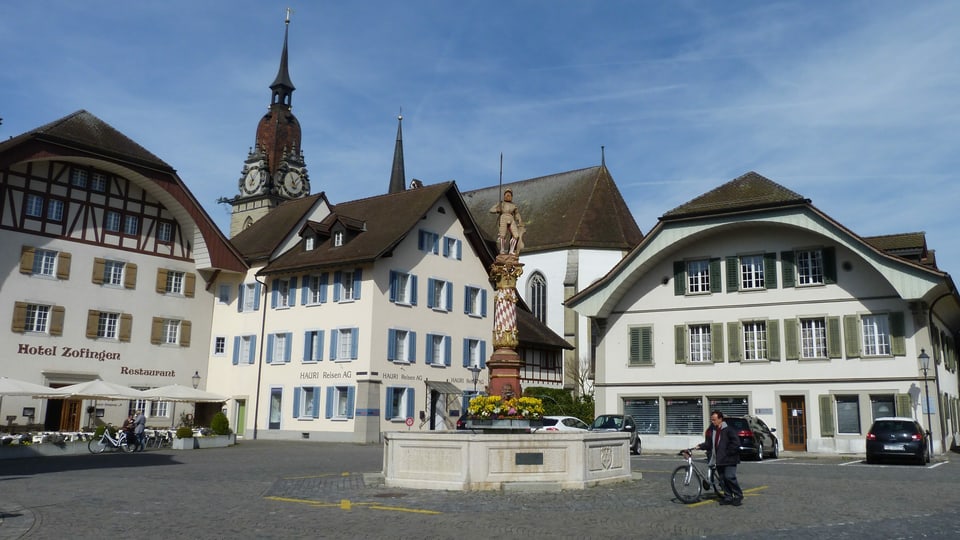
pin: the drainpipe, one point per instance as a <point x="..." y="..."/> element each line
<point x="261" y="339"/>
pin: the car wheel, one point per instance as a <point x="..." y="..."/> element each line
<point x="635" y="449"/>
<point x="871" y="460"/>
<point x="776" y="450"/>
<point x="759" y="451"/>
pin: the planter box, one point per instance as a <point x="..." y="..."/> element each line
<point x="215" y="441"/>
<point x="504" y="424"/>
<point x="184" y="444"/>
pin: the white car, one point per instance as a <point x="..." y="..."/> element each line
<point x="563" y="424"/>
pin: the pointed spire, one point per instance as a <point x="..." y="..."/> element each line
<point x="282" y="86"/>
<point x="603" y="156"/>
<point x="398" y="179"/>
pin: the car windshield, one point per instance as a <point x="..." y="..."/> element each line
<point x="549" y="421"/>
<point x="607" y="422"/>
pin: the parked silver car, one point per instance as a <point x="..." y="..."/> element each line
<point x="618" y="422"/>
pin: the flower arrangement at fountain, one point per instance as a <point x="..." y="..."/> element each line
<point x="498" y="408"/>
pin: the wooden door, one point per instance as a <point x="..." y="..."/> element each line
<point x="793" y="416"/>
<point x="70" y="415"/>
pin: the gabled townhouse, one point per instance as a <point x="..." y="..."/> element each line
<point x="354" y="319"/>
<point x="750" y="300"/>
<point x="578" y="228"/>
<point x="109" y="256"/>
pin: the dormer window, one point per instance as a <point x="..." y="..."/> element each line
<point x="338" y="239"/>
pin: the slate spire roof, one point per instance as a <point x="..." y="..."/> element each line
<point x="398" y="180"/>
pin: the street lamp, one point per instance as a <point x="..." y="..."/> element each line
<point x="475" y="376"/>
<point x="195" y="379"/>
<point x="925" y="365"/>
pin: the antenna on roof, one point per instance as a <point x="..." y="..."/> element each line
<point x="603" y="157"/>
<point x="289" y="11"/>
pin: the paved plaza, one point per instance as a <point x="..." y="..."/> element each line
<point x="294" y="489"/>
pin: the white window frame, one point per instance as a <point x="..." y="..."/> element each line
<point x="171" y="332"/>
<point x="346" y="286"/>
<point x="754" y="341"/>
<point x="98" y="182"/>
<point x="283" y="293"/>
<point x="219" y="345"/>
<point x="473" y="348"/>
<point x="700" y="344"/>
<point x="848" y="414"/>
<point x="246" y="350"/>
<point x="751" y="272"/>
<point x="875" y="330"/>
<point x="131" y="225"/>
<point x="112" y="221"/>
<point x="223" y="293"/>
<point x="281" y="342"/>
<point x="164" y="231"/>
<point x="341" y="402"/>
<point x="108" y="325"/>
<point x="159" y="409"/>
<point x="401" y="344"/>
<point x="309" y="398"/>
<point x="398" y="408"/>
<point x="813" y="338"/>
<point x="809" y="267"/>
<point x="314" y="293"/>
<point x="308" y="243"/>
<point x="249" y="296"/>
<point x="404" y="282"/>
<point x="337" y="238"/>
<point x="78" y="178"/>
<point x="439" y="293"/>
<point x="113" y="272"/>
<point x="34" y="206"/>
<point x="344" y="344"/>
<point x="316" y="346"/>
<point x="55" y="210"/>
<point x="175" y="280"/>
<point x="37" y="318"/>
<point x="45" y="262"/>
<point x="474" y="299"/>
<point x="698" y="276"/>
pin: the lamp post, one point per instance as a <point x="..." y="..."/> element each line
<point x="475" y="376"/>
<point x="195" y="379"/>
<point x="925" y="365"/>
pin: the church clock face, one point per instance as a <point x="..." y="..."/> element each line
<point x="293" y="183"/>
<point x="252" y="182"/>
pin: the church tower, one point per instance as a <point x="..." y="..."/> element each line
<point x="274" y="170"/>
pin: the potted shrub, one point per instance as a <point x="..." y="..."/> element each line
<point x="184" y="439"/>
<point x="221" y="436"/>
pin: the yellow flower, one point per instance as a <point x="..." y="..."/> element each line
<point x="495" y="407"/>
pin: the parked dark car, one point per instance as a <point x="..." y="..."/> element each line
<point x="757" y="441"/>
<point x="462" y="421"/>
<point x="618" y="422"/>
<point x="897" y="437"/>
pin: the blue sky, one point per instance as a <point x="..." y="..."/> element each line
<point x="852" y="104"/>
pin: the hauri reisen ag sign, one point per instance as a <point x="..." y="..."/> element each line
<point x="67" y="352"/>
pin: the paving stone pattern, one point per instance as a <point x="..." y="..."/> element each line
<point x="293" y="489"/>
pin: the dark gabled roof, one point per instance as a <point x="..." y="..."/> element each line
<point x="534" y="334"/>
<point x="259" y="240"/>
<point x="748" y="192"/>
<point x="388" y="219"/>
<point x="581" y="208"/>
<point x="85" y="131"/>
<point x="911" y="246"/>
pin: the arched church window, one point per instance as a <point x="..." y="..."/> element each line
<point x="247" y="222"/>
<point x="538" y="296"/>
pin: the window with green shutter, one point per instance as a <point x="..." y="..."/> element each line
<point x="641" y="345"/>
<point x="827" y="428"/>
<point x="851" y="336"/>
<point x="773" y="341"/>
<point x="791" y="339"/>
<point x="833" y="338"/>
<point x="733" y="341"/>
<point x="680" y="344"/>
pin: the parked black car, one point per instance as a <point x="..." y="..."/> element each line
<point x="757" y="441"/>
<point x="618" y="422"/>
<point x="896" y="437"/>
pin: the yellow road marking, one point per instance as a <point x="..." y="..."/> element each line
<point x="346" y="504"/>
<point x="747" y="492"/>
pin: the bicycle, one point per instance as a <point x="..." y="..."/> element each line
<point x="690" y="480"/>
<point x="97" y="446"/>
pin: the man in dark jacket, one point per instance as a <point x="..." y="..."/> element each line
<point x="723" y="445"/>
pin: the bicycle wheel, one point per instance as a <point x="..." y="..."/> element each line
<point x="96" y="446"/>
<point x="685" y="484"/>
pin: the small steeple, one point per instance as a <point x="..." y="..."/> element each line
<point x="282" y="86"/>
<point x="398" y="178"/>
